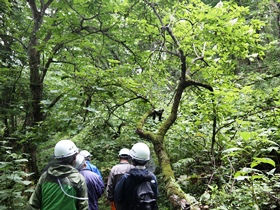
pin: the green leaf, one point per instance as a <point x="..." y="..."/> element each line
<point x="31" y="190"/>
<point x="256" y="207"/>
<point x="257" y="161"/>
<point x="245" y="135"/>
<point x="241" y="178"/>
<point x="113" y="61"/>
<point x="205" y="196"/>
<point x="25" y="182"/>
<point x="271" y="172"/>
<point x="20" y="160"/>
<point x="245" y="171"/>
<point x="232" y="150"/>
<point x="3" y="164"/>
<point x="258" y="176"/>
<point x="90" y="109"/>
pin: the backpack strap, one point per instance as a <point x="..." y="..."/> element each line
<point x="71" y="196"/>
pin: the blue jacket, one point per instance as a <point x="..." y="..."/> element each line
<point x="94" y="169"/>
<point x="123" y="193"/>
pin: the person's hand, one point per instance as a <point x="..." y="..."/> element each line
<point x="113" y="207"/>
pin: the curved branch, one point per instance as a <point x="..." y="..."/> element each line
<point x="145" y="134"/>
<point x="194" y="83"/>
<point x="173" y="115"/>
<point x="129" y="100"/>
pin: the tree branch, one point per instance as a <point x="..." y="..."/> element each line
<point x="266" y="78"/>
<point x="50" y="60"/>
<point x="14" y="38"/>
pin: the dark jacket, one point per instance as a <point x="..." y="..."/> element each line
<point x="124" y="191"/>
<point x="48" y="194"/>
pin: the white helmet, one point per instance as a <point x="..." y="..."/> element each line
<point x="65" y="148"/>
<point x="124" y="152"/>
<point x="85" y="153"/>
<point x="79" y="162"/>
<point x="140" y="152"/>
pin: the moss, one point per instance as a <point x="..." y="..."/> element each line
<point x="176" y="195"/>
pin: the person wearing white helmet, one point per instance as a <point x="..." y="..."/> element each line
<point x="90" y="166"/>
<point x="95" y="185"/>
<point x="125" y="193"/>
<point x="115" y="175"/>
<point x="61" y="186"/>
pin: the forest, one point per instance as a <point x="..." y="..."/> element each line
<point x="196" y="80"/>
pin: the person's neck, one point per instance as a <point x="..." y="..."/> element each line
<point x="140" y="167"/>
<point x="123" y="161"/>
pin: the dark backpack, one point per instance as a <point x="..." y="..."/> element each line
<point x="145" y="197"/>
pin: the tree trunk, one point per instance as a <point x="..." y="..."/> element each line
<point x="36" y="86"/>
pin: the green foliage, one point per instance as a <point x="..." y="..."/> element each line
<point x="14" y="181"/>
<point x="252" y="193"/>
<point x="111" y="62"/>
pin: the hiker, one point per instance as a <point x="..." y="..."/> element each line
<point x="61" y="186"/>
<point x="127" y="191"/>
<point x="95" y="185"/>
<point x="90" y="166"/>
<point x="115" y="175"/>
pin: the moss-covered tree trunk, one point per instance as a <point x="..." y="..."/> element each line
<point x="177" y="197"/>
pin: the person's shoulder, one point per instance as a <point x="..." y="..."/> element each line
<point x="76" y="177"/>
<point x="81" y="176"/>
<point x="150" y="173"/>
<point x="43" y="176"/>
<point x="92" y="176"/>
<point x="126" y="175"/>
<point x="115" y="166"/>
<point x="120" y="166"/>
<point x="89" y="173"/>
<point x="91" y="165"/>
<point x="45" y="173"/>
<point x="153" y="177"/>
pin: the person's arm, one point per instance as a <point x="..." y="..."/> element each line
<point x="99" y="187"/>
<point x="35" y="200"/>
<point x="110" y="187"/>
<point x="155" y="185"/>
<point x="82" y="193"/>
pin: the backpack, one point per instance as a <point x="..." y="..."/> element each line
<point x="145" y="197"/>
